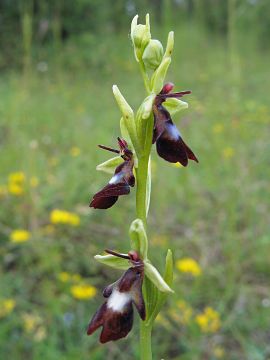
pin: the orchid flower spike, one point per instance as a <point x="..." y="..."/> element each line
<point x="169" y="142"/>
<point x="121" y="181"/>
<point x="116" y="314"/>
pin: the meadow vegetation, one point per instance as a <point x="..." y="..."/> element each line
<point x="214" y="215"/>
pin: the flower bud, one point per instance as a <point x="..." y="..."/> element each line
<point x="138" y="237"/>
<point x="140" y="36"/>
<point x="152" y="55"/>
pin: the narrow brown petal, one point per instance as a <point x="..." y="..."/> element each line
<point x="97" y="319"/>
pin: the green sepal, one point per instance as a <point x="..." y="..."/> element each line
<point x="125" y="108"/>
<point x="174" y="105"/>
<point x="113" y="261"/>
<point x="152" y="273"/>
<point x="168" y="274"/>
<point x="138" y="238"/>
<point x="110" y="165"/>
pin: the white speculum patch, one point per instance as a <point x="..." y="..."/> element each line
<point x="174" y="133"/>
<point x="118" y="300"/>
<point x="115" y="178"/>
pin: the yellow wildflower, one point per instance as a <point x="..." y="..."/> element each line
<point x="34" y="181"/>
<point x="83" y="291"/>
<point x="15" y="189"/>
<point x="64" y="276"/>
<point x="186" y="311"/>
<point x="16" y="177"/>
<point x="228" y="152"/>
<point x="6" y="307"/>
<point x="177" y="165"/>
<point x="218" y="128"/>
<point x="75" y="151"/>
<point x="209" y="320"/>
<point x="189" y="266"/>
<point x="218" y="352"/>
<point x="19" y="236"/>
<point x="64" y="217"/>
<point x="15" y="183"/>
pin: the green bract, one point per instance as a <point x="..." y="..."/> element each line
<point x="143" y="119"/>
<point x="152" y="273"/>
<point x="128" y="123"/>
<point x="161" y="297"/>
<point x="159" y="75"/>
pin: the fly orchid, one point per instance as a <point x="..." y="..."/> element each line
<point x="116" y="314"/>
<point x="151" y="123"/>
<point x="121" y="181"/>
<point x="169" y="143"/>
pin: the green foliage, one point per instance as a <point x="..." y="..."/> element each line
<point x="216" y="212"/>
<point x="30" y="29"/>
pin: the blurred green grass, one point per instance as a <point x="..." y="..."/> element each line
<point x="216" y="212"/>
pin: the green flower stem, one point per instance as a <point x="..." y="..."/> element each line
<point x="145" y="341"/>
<point x="141" y="179"/>
<point x="145" y="77"/>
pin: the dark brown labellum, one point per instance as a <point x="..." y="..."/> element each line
<point x="169" y="143"/>
<point x="121" y="181"/>
<point x="116" y="314"/>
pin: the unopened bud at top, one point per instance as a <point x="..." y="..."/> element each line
<point x="140" y="35"/>
<point x="152" y="55"/>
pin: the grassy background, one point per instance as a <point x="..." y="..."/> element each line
<point x="216" y="212"/>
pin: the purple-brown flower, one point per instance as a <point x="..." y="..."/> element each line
<point x="116" y="314"/>
<point x="169" y="143"/>
<point x="121" y="181"/>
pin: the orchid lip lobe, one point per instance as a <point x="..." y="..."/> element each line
<point x="121" y="181"/>
<point x="115" y="315"/>
<point x="169" y="143"/>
